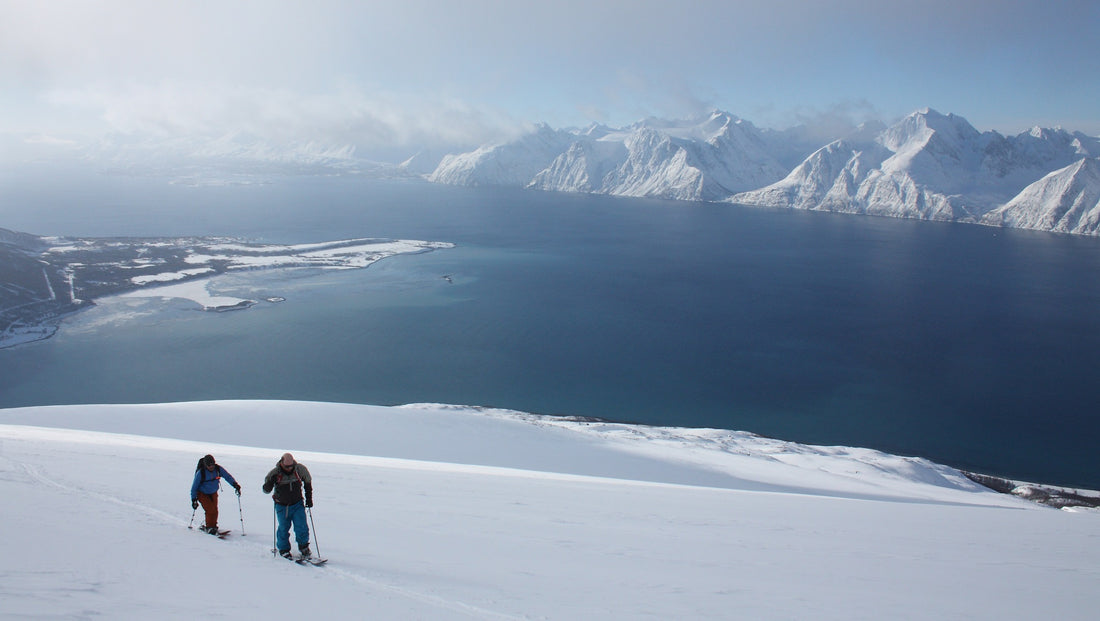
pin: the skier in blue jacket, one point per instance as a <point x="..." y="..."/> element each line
<point x="204" y="490"/>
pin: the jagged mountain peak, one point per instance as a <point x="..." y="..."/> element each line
<point x="1085" y="170"/>
<point x="718" y="122"/>
<point x="705" y="157"/>
<point x="928" y="165"/>
<point x="1089" y="145"/>
<point x="1045" y="133"/>
<point x="596" y="131"/>
<point x="719" y="126"/>
<point x="936" y="119"/>
<point x="1066" y="200"/>
<point x="931" y="165"/>
<point x="703" y="127"/>
<point x="543" y="129"/>
<point x="920" y="126"/>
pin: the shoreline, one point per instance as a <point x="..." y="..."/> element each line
<point x="196" y="268"/>
<point x="1050" y="495"/>
<point x="738" y="457"/>
<point x="325" y="255"/>
<point x="48" y="329"/>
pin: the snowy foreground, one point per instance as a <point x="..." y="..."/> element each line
<point x="437" y="512"/>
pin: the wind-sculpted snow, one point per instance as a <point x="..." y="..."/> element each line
<point x="448" y="512"/>
<point x="928" y="166"/>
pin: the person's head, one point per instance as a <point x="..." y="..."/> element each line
<point x="208" y="462"/>
<point x="287" y="462"/>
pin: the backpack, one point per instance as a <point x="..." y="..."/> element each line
<point x="200" y="467"/>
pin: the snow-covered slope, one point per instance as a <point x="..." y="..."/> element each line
<point x="509" y="163"/>
<point x="22" y="241"/>
<point x="706" y="158"/>
<point x="928" y="166"/>
<point x="440" y="512"/>
<point x="1066" y="201"/>
<point x="421" y="163"/>
<point x="582" y="167"/>
<point x="828" y="179"/>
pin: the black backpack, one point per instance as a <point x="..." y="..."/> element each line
<point x="201" y="465"/>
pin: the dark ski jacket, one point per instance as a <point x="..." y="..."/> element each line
<point x="207" y="481"/>
<point x="288" y="487"/>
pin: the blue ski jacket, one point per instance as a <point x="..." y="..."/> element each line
<point x="207" y="481"/>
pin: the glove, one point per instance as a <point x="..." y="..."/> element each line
<point x="309" y="503"/>
<point x="238" y="489"/>
<point x="194" y="504"/>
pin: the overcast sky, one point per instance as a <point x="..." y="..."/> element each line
<point x="378" y="73"/>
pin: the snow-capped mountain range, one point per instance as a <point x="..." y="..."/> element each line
<point x="700" y="159"/>
<point x="928" y="166"/>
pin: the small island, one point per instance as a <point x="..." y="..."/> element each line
<point x="44" y="279"/>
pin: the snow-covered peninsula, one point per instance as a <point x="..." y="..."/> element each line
<point x="45" y="278"/>
<point x="444" y="512"/>
<point x="927" y="166"/>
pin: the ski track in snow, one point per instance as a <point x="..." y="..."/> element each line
<point x="427" y="598"/>
<point x="35" y="473"/>
<point x="424" y="533"/>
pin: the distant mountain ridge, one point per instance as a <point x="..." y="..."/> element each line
<point x="707" y="158"/>
<point x="928" y="166"/>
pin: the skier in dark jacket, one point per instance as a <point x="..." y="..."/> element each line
<point x="288" y="479"/>
<point x="204" y="490"/>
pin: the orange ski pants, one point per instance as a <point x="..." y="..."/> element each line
<point x="209" y="504"/>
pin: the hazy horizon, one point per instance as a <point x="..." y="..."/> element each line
<point x="387" y="79"/>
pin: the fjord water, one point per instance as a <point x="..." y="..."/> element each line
<point x="969" y="345"/>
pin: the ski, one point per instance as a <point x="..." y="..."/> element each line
<point x="221" y="534"/>
<point x="303" y="560"/>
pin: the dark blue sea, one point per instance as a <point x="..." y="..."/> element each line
<point x="972" y="346"/>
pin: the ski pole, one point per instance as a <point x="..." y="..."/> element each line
<point x="274" y="528"/>
<point x="193" y="510"/>
<point x="241" y="511"/>
<point x="316" y="544"/>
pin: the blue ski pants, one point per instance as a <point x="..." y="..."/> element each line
<point x="287" y="515"/>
